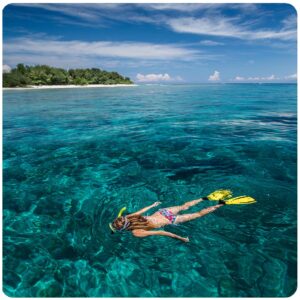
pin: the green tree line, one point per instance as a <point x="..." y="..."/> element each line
<point x="22" y="76"/>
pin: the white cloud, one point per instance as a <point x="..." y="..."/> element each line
<point x="229" y="27"/>
<point x="210" y="43"/>
<point x="215" y="76"/>
<point x="239" y="78"/>
<point x="6" y="69"/>
<point x="49" y="48"/>
<point x="156" y="77"/>
<point x="291" y="77"/>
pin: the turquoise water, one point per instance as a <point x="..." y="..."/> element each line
<point x="73" y="157"/>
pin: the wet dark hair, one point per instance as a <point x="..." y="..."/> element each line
<point x="134" y="222"/>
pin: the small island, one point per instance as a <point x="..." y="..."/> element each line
<point x="43" y="75"/>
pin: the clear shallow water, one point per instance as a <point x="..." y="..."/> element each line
<point x="72" y="158"/>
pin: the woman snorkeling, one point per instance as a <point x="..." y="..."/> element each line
<point x="142" y="226"/>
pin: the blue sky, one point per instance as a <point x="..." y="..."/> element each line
<point x="157" y="42"/>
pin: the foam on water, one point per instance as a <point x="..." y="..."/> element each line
<point x="72" y="158"/>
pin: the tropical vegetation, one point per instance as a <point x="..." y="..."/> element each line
<point x="23" y="76"/>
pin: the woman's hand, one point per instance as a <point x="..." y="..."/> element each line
<point x="186" y="240"/>
<point x="156" y="204"/>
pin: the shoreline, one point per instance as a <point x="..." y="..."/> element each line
<point x="68" y="86"/>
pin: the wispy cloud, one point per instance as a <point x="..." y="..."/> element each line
<point x="210" y="43"/>
<point x="134" y="50"/>
<point x="290" y="22"/>
<point x="94" y="15"/>
<point x="34" y="50"/>
<point x="229" y="27"/>
<point x="84" y="12"/>
<point x="181" y="7"/>
<point x="195" y="7"/>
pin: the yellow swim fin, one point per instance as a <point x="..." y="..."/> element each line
<point x="240" y="200"/>
<point x="219" y="195"/>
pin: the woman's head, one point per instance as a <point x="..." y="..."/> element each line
<point x="129" y="223"/>
<point x="120" y="223"/>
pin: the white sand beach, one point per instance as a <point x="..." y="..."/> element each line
<point x="40" y="87"/>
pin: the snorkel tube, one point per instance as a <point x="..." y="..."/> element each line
<point x="121" y="211"/>
<point x="113" y="230"/>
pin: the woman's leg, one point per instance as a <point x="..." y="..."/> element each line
<point x="199" y="214"/>
<point x="176" y="209"/>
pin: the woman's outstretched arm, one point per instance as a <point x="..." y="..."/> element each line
<point x="145" y="209"/>
<point x="143" y="233"/>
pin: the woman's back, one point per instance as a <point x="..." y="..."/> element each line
<point x="157" y="220"/>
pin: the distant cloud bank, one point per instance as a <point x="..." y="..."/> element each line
<point x="267" y="78"/>
<point x="156" y="77"/>
<point x="293" y="77"/>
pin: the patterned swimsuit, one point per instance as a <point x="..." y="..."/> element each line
<point x="168" y="214"/>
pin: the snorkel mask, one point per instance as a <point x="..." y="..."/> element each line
<point x="113" y="230"/>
